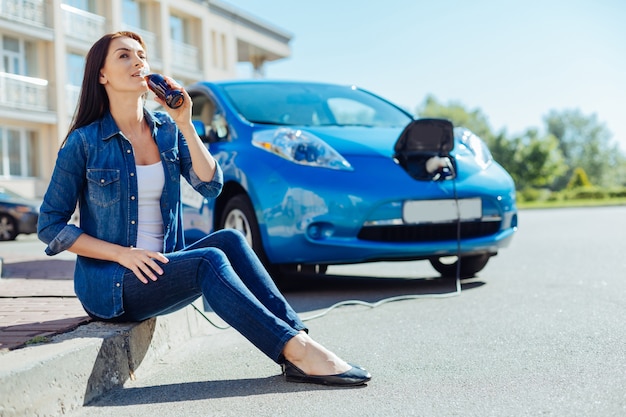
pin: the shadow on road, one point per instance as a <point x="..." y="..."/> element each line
<point x="307" y="293"/>
<point x="203" y="390"/>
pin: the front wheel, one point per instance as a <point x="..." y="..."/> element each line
<point x="447" y="265"/>
<point x="239" y="214"/>
<point x="8" y="227"/>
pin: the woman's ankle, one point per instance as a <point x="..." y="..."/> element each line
<point x="313" y="358"/>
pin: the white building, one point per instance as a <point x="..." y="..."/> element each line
<point x="43" y="44"/>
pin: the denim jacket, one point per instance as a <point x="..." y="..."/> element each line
<point x="96" y="168"/>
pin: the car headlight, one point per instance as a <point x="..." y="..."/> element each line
<point x="481" y="152"/>
<point x="24" y="209"/>
<point x="300" y="147"/>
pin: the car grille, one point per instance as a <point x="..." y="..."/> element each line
<point x="428" y="232"/>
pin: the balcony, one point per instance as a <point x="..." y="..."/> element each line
<point x="32" y="12"/>
<point x="82" y="25"/>
<point x="20" y="92"/>
<point x="185" y="57"/>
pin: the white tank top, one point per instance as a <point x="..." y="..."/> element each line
<point x="150" y="182"/>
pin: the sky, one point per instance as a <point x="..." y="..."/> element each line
<point x="515" y="61"/>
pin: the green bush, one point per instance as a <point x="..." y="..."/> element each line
<point x="554" y="196"/>
<point x="617" y="193"/>
<point x="529" y="194"/>
<point x="579" y="179"/>
<point x="586" y="193"/>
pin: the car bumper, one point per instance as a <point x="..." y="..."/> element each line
<point x="310" y="218"/>
<point x="328" y="249"/>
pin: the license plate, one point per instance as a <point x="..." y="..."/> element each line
<point x="437" y="211"/>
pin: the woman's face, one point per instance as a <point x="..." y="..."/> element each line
<point x="122" y="70"/>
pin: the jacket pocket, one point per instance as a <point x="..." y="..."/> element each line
<point x="172" y="162"/>
<point x="104" y="186"/>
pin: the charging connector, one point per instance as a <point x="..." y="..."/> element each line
<point x="423" y="150"/>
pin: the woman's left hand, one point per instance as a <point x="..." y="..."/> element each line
<point x="182" y="114"/>
<point x="202" y="162"/>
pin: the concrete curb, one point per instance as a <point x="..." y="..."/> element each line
<point x="74" y="368"/>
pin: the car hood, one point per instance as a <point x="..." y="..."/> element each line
<point x="379" y="142"/>
<point x="357" y="140"/>
<point x="20" y="201"/>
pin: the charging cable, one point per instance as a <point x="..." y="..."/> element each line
<point x="345" y="303"/>
<point x="436" y="165"/>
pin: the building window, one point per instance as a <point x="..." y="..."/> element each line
<point x="75" y="72"/>
<point x="177" y="28"/>
<point x="12" y="56"/>
<point x="17" y="153"/>
<point x="86" y="5"/>
<point x="75" y="69"/>
<point x="18" y="56"/>
<point x="185" y="55"/>
<point x="132" y="14"/>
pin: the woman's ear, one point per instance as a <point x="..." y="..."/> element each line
<point x="102" y="79"/>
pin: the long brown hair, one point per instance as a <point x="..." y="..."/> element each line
<point x="94" y="101"/>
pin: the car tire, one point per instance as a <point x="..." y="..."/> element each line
<point x="8" y="228"/>
<point x="239" y="214"/>
<point x="470" y="265"/>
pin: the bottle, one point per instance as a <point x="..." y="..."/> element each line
<point x="174" y="98"/>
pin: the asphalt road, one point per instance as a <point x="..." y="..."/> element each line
<point x="539" y="332"/>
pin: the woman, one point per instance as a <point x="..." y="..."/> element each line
<point x="122" y="164"/>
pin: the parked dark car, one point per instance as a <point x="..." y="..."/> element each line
<point x="18" y="215"/>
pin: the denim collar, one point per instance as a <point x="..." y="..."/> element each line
<point x="109" y="128"/>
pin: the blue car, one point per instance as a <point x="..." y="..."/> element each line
<point x="316" y="175"/>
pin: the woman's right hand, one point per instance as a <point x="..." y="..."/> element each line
<point x="143" y="263"/>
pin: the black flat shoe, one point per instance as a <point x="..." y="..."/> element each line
<point x="352" y="377"/>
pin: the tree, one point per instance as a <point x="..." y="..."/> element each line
<point x="585" y="143"/>
<point x="473" y="120"/>
<point x="532" y="161"/>
<point x="537" y="160"/>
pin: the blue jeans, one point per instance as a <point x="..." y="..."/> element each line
<point x="224" y="269"/>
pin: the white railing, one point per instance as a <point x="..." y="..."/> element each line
<point x="185" y="56"/>
<point x="28" y="11"/>
<point x="82" y="25"/>
<point x="72" y="94"/>
<point x="18" y="91"/>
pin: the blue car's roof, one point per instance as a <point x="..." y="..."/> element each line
<point x="284" y="102"/>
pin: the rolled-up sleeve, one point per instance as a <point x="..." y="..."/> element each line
<point x="59" y="202"/>
<point x="63" y="240"/>
<point x="209" y="189"/>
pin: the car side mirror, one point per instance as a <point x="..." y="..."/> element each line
<point x="200" y="129"/>
<point x="219" y="125"/>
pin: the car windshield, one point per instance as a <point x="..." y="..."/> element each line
<point x="300" y="104"/>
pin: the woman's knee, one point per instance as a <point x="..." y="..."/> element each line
<point x="231" y="236"/>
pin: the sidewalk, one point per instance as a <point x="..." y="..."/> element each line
<point x="36" y="300"/>
<point x="53" y="357"/>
